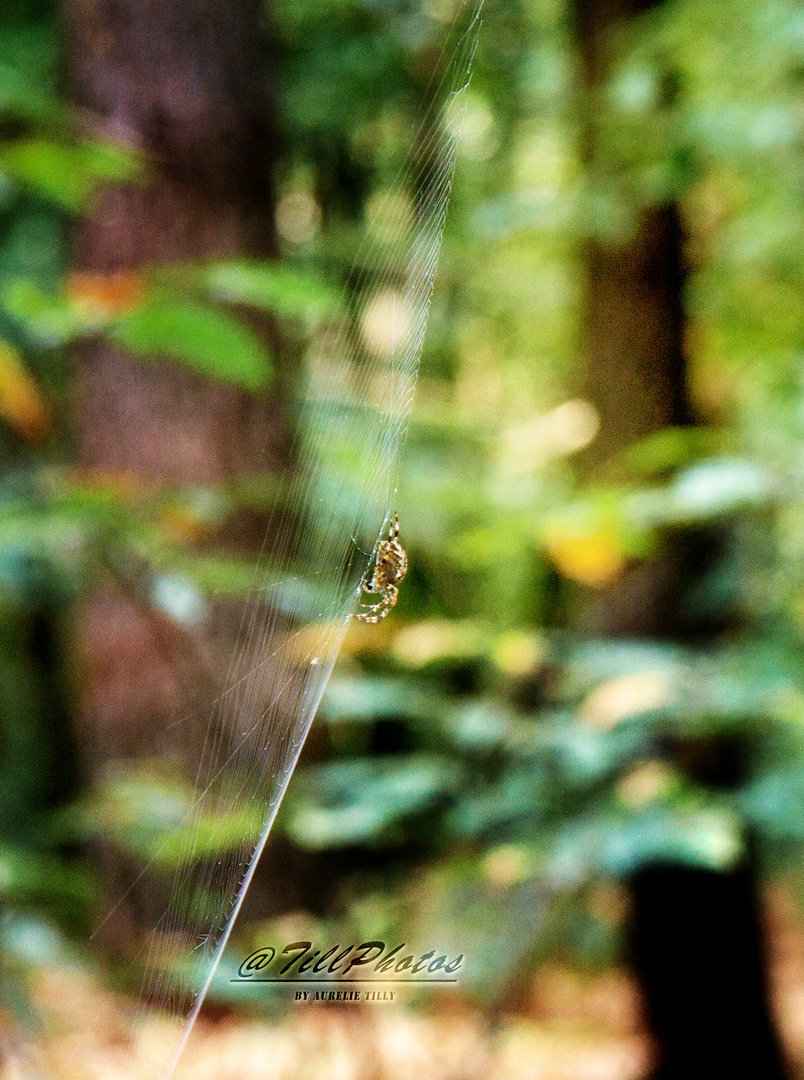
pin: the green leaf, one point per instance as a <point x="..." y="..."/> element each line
<point x="27" y="877"/>
<point x="66" y="175"/>
<point x="773" y="804"/>
<point x="152" y="813"/>
<point x="368" y="700"/>
<point x="689" y="835"/>
<point x="669" y="448"/>
<point x="351" y="802"/>
<point x="519" y="800"/>
<point x="720" y="486"/>
<point x="273" y="287"/>
<point x="210" y="342"/>
<point x="48" y="320"/>
<point x="22" y="95"/>
<point x="214" y="574"/>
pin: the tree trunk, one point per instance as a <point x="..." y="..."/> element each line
<point x="185" y="82"/>
<point x="696" y="938"/>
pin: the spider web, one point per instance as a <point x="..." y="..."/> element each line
<point x="360" y="379"/>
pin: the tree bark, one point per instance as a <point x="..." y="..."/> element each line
<point x="696" y="940"/>
<point x="186" y="82"/>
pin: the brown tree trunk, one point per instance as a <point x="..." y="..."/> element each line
<point x="696" y="938"/>
<point x="634" y="344"/>
<point x="634" y="376"/>
<point x="634" y="368"/>
<point x="186" y="82"/>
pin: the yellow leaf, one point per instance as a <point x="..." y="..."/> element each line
<point x="593" y="559"/>
<point x="21" y="403"/>
<point x="517" y="653"/>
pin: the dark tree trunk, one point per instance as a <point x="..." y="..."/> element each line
<point x="634" y="366"/>
<point x="697" y="942"/>
<point x="702" y="967"/>
<point x="634" y="346"/>
<point x="635" y="373"/>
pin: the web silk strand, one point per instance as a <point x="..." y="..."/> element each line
<point x="339" y="500"/>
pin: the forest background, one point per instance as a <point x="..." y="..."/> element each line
<point x="581" y="732"/>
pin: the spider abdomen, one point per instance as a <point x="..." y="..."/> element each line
<point x="392" y="563"/>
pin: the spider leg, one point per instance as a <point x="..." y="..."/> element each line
<point x="374" y="613"/>
<point x="379" y="610"/>
<point x="385" y="602"/>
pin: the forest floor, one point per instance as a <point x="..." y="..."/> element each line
<point x="573" y="1026"/>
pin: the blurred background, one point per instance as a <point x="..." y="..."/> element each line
<point x="575" y="750"/>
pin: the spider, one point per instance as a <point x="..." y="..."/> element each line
<point x="390" y="566"/>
